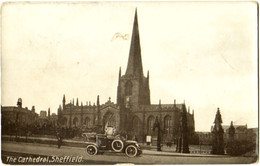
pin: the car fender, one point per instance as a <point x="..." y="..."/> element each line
<point x="132" y="142"/>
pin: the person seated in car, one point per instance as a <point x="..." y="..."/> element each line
<point x="110" y="132"/>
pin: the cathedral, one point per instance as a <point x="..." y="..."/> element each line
<point x="133" y="112"/>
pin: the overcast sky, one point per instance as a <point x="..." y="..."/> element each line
<point x="202" y="52"/>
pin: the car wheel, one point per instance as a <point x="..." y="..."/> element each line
<point x="117" y="145"/>
<point x="131" y="151"/>
<point x="91" y="150"/>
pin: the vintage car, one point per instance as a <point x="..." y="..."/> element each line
<point x="99" y="143"/>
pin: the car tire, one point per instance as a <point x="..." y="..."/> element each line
<point x="131" y="151"/>
<point x="117" y="145"/>
<point x="91" y="150"/>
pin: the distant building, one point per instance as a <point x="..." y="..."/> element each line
<point x="132" y="113"/>
<point x="240" y="132"/>
<point x="252" y="135"/>
<point x="23" y="116"/>
<point x="43" y="114"/>
<point x="53" y="119"/>
<point x="205" y="138"/>
<point x="48" y="119"/>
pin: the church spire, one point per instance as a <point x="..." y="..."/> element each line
<point x="119" y="75"/>
<point x="77" y="102"/>
<point x="134" y="66"/>
<point x="63" y="102"/>
<point x="148" y="77"/>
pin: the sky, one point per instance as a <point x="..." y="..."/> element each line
<point x="200" y="53"/>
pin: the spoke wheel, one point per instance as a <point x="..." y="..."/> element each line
<point x="91" y="150"/>
<point x="131" y="151"/>
<point x="117" y="145"/>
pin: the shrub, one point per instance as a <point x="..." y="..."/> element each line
<point x="236" y="148"/>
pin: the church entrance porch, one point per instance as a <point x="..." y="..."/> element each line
<point x="109" y="120"/>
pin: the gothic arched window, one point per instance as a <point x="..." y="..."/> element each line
<point x="109" y="119"/>
<point x="87" y="122"/>
<point x="136" y="125"/>
<point x="75" y="121"/>
<point x="150" y="123"/>
<point x="167" y="124"/>
<point x="128" y="88"/>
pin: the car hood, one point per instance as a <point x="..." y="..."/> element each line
<point x="131" y="141"/>
<point x="90" y="143"/>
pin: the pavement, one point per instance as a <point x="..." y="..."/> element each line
<point x="147" y="149"/>
<point x="36" y="150"/>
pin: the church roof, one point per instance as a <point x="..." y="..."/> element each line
<point x="238" y="128"/>
<point x="14" y="108"/>
<point x="155" y="107"/>
<point x="134" y="66"/>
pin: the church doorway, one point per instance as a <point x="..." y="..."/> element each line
<point x="150" y="123"/>
<point x="109" y="120"/>
<point x="136" y="128"/>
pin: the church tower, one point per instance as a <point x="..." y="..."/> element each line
<point x="133" y="87"/>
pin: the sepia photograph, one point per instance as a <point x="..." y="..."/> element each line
<point x="150" y="83"/>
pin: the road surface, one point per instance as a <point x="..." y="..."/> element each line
<point x="50" y="154"/>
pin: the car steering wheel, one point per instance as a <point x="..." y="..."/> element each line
<point x="117" y="136"/>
